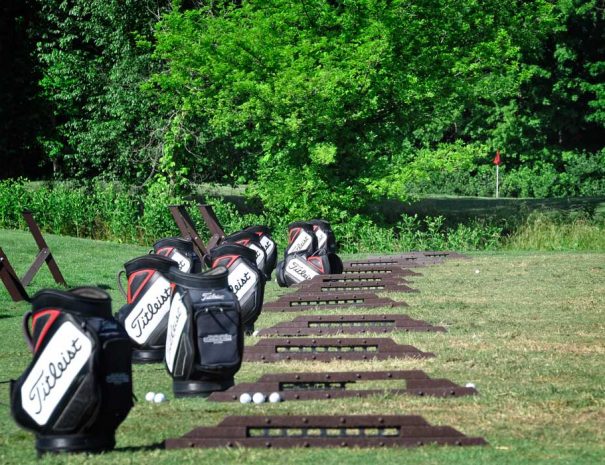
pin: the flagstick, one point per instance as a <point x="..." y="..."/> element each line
<point x="497" y="178"/>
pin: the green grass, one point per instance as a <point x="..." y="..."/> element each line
<point x="528" y="330"/>
<point x="542" y="233"/>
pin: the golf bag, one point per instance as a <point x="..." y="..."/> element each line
<point x="310" y="252"/>
<point x="264" y="236"/>
<point x="326" y="244"/>
<point x="296" y="268"/>
<point x="326" y="240"/>
<point x="145" y="315"/>
<point x="301" y="239"/>
<point x="252" y="241"/>
<point x="78" y="387"/>
<point x="205" y="342"/>
<point x="246" y="281"/>
<point x="181" y="251"/>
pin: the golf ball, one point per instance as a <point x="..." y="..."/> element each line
<point x="476" y="271"/>
<point x="149" y="396"/>
<point x="258" y="398"/>
<point x="245" y="398"/>
<point x="470" y="385"/>
<point x="159" y="398"/>
<point x="275" y="397"/>
<point x="255" y="333"/>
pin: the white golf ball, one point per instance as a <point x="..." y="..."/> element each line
<point x="159" y="398"/>
<point x="469" y="385"/>
<point x="149" y="396"/>
<point x="476" y="271"/>
<point x="245" y="398"/>
<point x="255" y="333"/>
<point x="275" y="397"/>
<point x="258" y="398"/>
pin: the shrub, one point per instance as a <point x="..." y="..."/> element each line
<point x="108" y="211"/>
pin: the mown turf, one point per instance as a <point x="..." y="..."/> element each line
<point x="528" y="330"/>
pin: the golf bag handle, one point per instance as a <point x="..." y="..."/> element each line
<point x="120" y="285"/>
<point x="26" y="331"/>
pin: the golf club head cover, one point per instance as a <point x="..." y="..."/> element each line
<point x="145" y="315"/>
<point x="301" y="239"/>
<point x="78" y="388"/>
<point x="264" y="236"/>
<point x="181" y="251"/>
<point x="205" y="340"/>
<point x="252" y="241"/>
<point x="245" y="279"/>
<point x="296" y="268"/>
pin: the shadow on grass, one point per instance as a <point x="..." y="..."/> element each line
<point x="463" y="209"/>
<point x="150" y="447"/>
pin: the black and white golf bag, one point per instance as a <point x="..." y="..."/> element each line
<point x="181" y="251"/>
<point x="145" y="315"/>
<point x="245" y="279"/>
<point x="301" y="239"/>
<point x="78" y="387"/>
<point x="252" y="241"/>
<point x="264" y="236"/>
<point x="205" y="341"/>
<point x="310" y="252"/>
<point x="326" y="240"/>
<point x="326" y="244"/>
<point x="296" y="268"/>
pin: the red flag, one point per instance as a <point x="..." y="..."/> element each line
<point x="497" y="157"/>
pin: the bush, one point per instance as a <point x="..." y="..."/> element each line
<point x="413" y="233"/>
<point x="108" y="211"/>
<point x="572" y="174"/>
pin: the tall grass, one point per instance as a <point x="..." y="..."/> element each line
<point x="554" y="231"/>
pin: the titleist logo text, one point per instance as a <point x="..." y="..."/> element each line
<point x="144" y="317"/>
<point x="239" y="284"/>
<point x="45" y="383"/>
<point x="299" y="270"/>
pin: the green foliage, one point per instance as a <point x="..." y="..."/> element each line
<point x="335" y="104"/>
<point x="560" y="106"/>
<point x="323" y="107"/>
<point x="105" y="211"/>
<point x="93" y="67"/>
<point x="581" y="174"/>
<point x="413" y="233"/>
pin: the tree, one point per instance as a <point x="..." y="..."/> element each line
<point x="93" y="72"/>
<point x="329" y="103"/>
